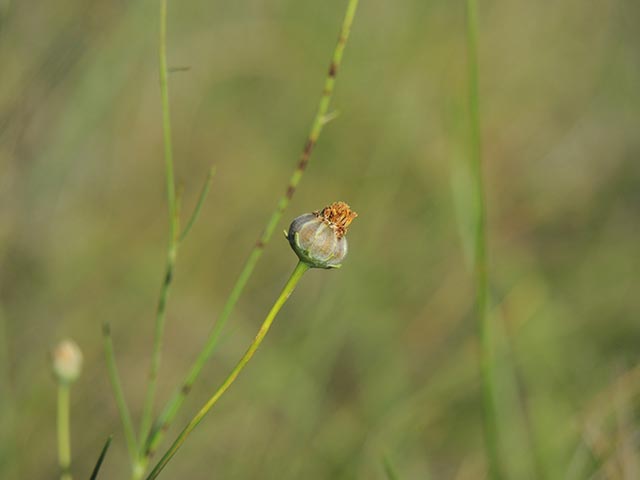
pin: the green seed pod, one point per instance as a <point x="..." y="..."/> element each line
<point x="67" y="361"/>
<point x="318" y="238"/>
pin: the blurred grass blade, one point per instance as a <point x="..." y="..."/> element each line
<point x="318" y="123"/>
<point x="485" y="328"/>
<point x="389" y="469"/>
<point x="103" y="453"/>
<point x="8" y="433"/>
<point x="196" y="211"/>
<point x="121" y="403"/>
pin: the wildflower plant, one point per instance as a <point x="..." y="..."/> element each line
<point x="66" y="360"/>
<point x="319" y="241"/>
<point x="317" y="238"/>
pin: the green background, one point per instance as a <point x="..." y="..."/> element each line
<point x="376" y="359"/>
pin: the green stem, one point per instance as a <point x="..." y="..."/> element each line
<point x="161" y="314"/>
<point x="166" y="121"/>
<point x="196" y="211"/>
<point x="121" y="403"/>
<point x="485" y="328"/>
<point x="320" y="119"/>
<point x="289" y="287"/>
<point x="64" y="439"/>
<point x="172" y="250"/>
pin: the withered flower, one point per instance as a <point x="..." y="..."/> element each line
<point x="318" y="238"/>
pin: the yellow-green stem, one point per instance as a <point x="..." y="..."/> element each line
<point x="289" y="287"/>
<point x="64" y="437"/>
<point x="485" y="328"/>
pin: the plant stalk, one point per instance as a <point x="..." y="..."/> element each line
<point x="175" y="239"/>
<point x="64" y="437"/>
<point x="320" y="119"/>
<point x="172" y="250"/>
<point x="485" y="328"/>
<point x="289" y="287"/>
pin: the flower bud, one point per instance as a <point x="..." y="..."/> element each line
<point x="67" y="361"/>
<point x="318" y="238"/>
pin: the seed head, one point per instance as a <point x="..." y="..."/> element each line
<point x="67" y="361"/>
<point x="318" y="238"/>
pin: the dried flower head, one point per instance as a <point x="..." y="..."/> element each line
<point x="318" y="238"/>
<point x="67" y="361"/>
<point x="338" y="216"/>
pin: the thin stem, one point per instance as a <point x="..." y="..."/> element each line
<point x="103" y="453"/>
<point x="485" y="328"/>
<point x="166" y="120"/>
<point x="289" y="287"/>
<point x="320" y="119"/>
<point x="64" y="438"/>
<point x="196" y="211"/>
<point x="121" y="403"/>
<point x="172" y="250"/>
<point x="161" y="314"/>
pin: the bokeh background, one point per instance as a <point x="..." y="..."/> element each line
<point x="376" y="360"/>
